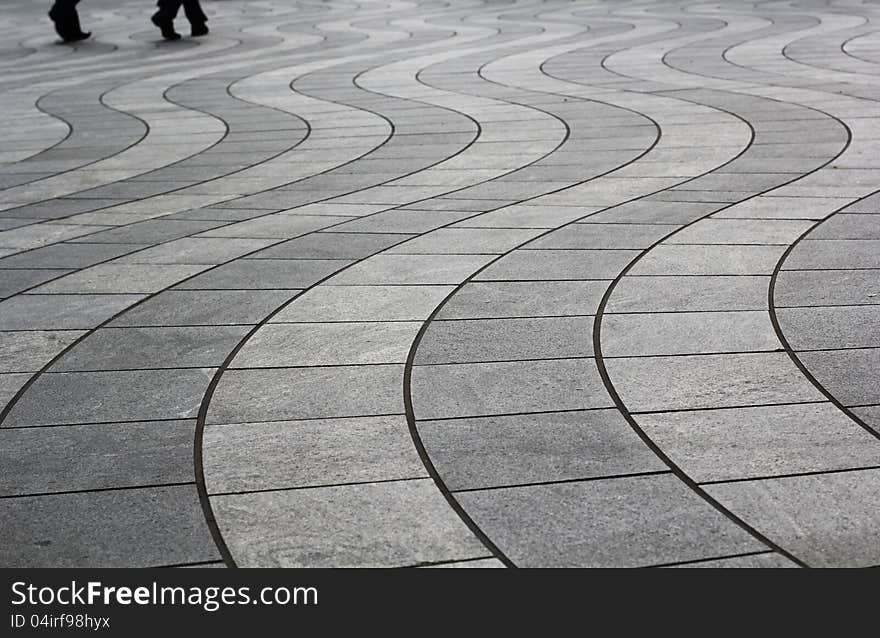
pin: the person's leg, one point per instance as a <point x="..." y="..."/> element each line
<point x="164" y="18"/>
<point x="196" y="17"/>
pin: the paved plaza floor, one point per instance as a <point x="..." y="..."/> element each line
<point x="473" y="283"/>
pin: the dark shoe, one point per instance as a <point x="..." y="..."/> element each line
<point x="199" y="29"/>
<point x="76" y="37"/>
<point x="166" y="26"/>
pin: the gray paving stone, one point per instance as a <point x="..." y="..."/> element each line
<point x="331" y="246"/>
<point x="54" y="312"/>
<point x="709" y="381"/>
<point x="121" y="528"/>
<point x="831" y="327"/>
<point x="741" y="232"/>
<point x="709" y="260"/>
<point x="484" y="389"/>
<point x="10" y="384"/>
<point x="117" y="278"/>
<point x="548" y="265"/>
<point x="67" y="255"/>
<point x="478" y="300"/>
<point x="516" y="450"/>
<point x="264" y="274"/>
<point x="687" y="333"/>
<point x="458" y="241"/>
<point x="604" y="236"/>
<point x="842" y="226"/>
<point x="29" y="351"/>
<point x="870" y="416"/>
<point x="411" y="269"/>
<point x="151" y="231"/>
<point x="195" y="250"/>
<point x="505" y="339"/>
<point x="684" y="294"/>
<point x="826" y="287"/>
<point x="736" y="443"/>
<point x="308" y="453"/>
<point x="276" y="226"/>
<point x="383" y="524"/>
<point x="624" y="522"/>
<point x="404" y="221"/>
<point x="147" y="348"/>
<point x="849" y="375"/>
<point x="16" y="281"/>
<point x="102" y="397"/>
<point x="364" y="303"/>
<point x="307" y="393"/>
<point x="834" y="254"/>
<point x="648" y="211"/>
<point x="325" y="344"/>
<point x="204" y="307"/>
<point x="88" y="457"/>
<point x="794" y="512"/>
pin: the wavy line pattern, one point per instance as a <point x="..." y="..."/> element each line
<point x="465" y="284"/>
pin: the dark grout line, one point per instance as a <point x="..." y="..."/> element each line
<point x="95" y="490"/>
<point x="772" y="477"/>
<point x="587" y="479"/>
<point x="296" y="488"/>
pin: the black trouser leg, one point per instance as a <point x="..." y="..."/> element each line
<point x="194" y="13"/>
<point x="167" y="10"/>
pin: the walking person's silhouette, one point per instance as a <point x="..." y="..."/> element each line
<point x="66" y="19"/>
<point x="164" y="17"/>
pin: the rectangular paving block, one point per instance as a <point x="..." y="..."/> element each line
<point x="483" y="389"/>
<point x="477" y="340"/>
<point x="387" y="269"/>
<point x="326" y="344"/>
<point x="620" y="522"/>
<point x="515" y="450"/>
<point x="371" y="525"/>
<point x="684" y="294"/>
<point x="88" y="457"/>
<point x="819" y="254"/>
<point x="61" y="312"/>
<point x="548" y="265"/>
<point x="794" y="512"/>
<point x="831" y="327"/>
<point x="29" y="351"/>
<point x="458" y="241"/>
<point x="606" y="235"/>
<point x="146" y="348"/>
<point x="709" y="381"/>
<point x="66" y="255"/>
<point x="849" y="375"/>
<point x="307" y="393"/>
<point x="826" y="288"/>
<point x="478" y="300"/>
<point x="296" y="454"/>
<point x="332" y="245"/>
<point x="122" y="278"/>
<point x="741" y="231"/>
<point x="265" y="274"/>
<point x="205" y="308"/>
<point x="121" y="528"/>
<point x="709" y="260"/>
<point x="364" y="303"/>
<point x="749" y="442"/>
<point x="101" y="397"/>
<point x="19" y="280"/>
<point x="669" y="333"/>
<point x="196" y="250"/>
